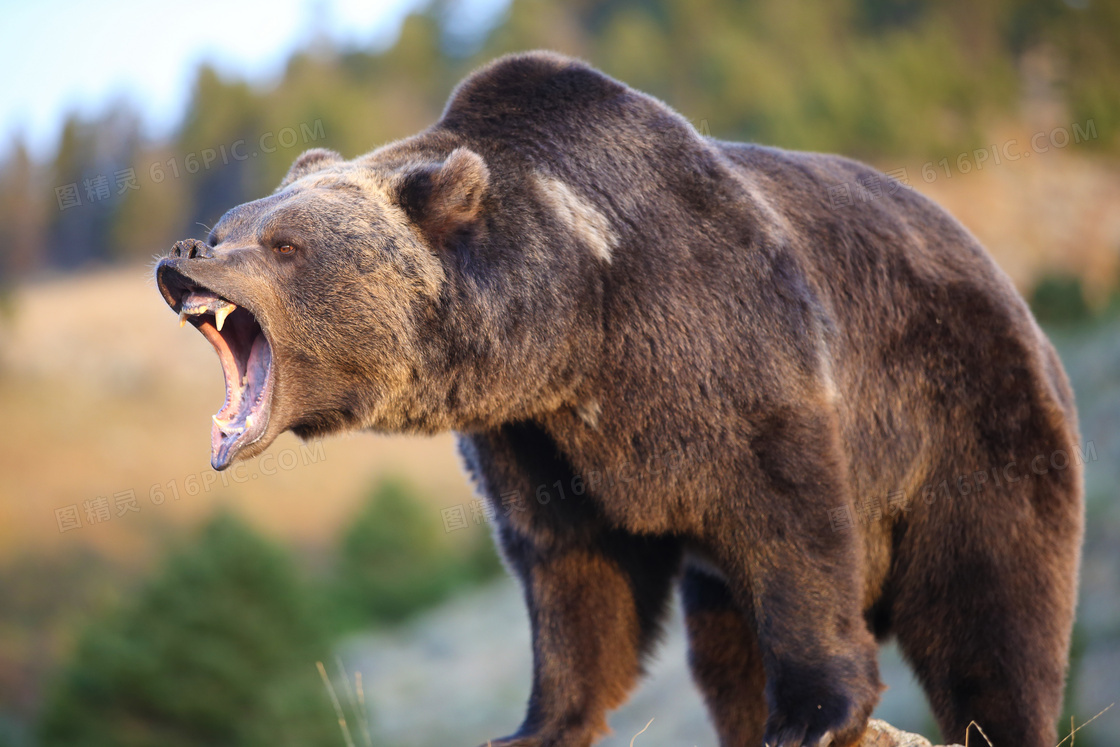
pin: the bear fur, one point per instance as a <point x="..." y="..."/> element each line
<point x="673" y="361"/>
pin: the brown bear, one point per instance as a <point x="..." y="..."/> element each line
<point x="671" y="359"/>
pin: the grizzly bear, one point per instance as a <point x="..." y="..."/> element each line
<point x="674" y="360"/>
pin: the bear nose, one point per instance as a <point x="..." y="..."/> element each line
<point x="191" y="249"/>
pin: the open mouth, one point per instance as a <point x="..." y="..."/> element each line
<point x="246" y="357"/>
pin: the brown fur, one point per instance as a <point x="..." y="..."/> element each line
<point x="668" y="358"/>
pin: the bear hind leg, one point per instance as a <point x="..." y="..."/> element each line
<point x="988" y="630"/>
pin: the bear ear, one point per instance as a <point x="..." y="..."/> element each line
<point x="444" y="199"/>
<point x="309" y="162"/>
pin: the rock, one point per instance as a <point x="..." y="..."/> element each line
<point x="881" y="734"/>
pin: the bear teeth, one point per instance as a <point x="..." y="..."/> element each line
<point x="221" y="314"/>
<point x="219" y="307"/>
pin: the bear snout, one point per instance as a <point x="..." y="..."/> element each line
<point x="191" y="249"/>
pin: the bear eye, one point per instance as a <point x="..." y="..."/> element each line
<point x="285" y="249"/>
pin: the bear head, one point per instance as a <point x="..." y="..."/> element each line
<point x="320" y="299"/>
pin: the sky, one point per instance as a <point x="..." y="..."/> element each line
<point x="81" y="56"/>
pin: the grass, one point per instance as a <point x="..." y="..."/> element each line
<point x="357" y="703"/>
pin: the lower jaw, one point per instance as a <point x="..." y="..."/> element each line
<point x="224" y="449"/>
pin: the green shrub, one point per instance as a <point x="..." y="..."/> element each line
<point x="218" y="649"/>
<point x="1060" y="299"/>
<point x="396" y="559"/>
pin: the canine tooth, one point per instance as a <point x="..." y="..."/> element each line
<point x="221" y="314"/>
<point x="182" y="319"/>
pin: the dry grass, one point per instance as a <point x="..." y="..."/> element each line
<point x="358" y="705"/>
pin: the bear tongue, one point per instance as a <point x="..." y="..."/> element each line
<point x="247" y="406"/>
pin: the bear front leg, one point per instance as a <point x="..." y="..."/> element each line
<point x="801" y="583"/>
<point x="822" y="674"/>
<point x="594" y="607"/>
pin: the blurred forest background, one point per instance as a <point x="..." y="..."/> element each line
<point x="198" y="616"/>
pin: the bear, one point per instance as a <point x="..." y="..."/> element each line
<point x="675" y="362"/>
